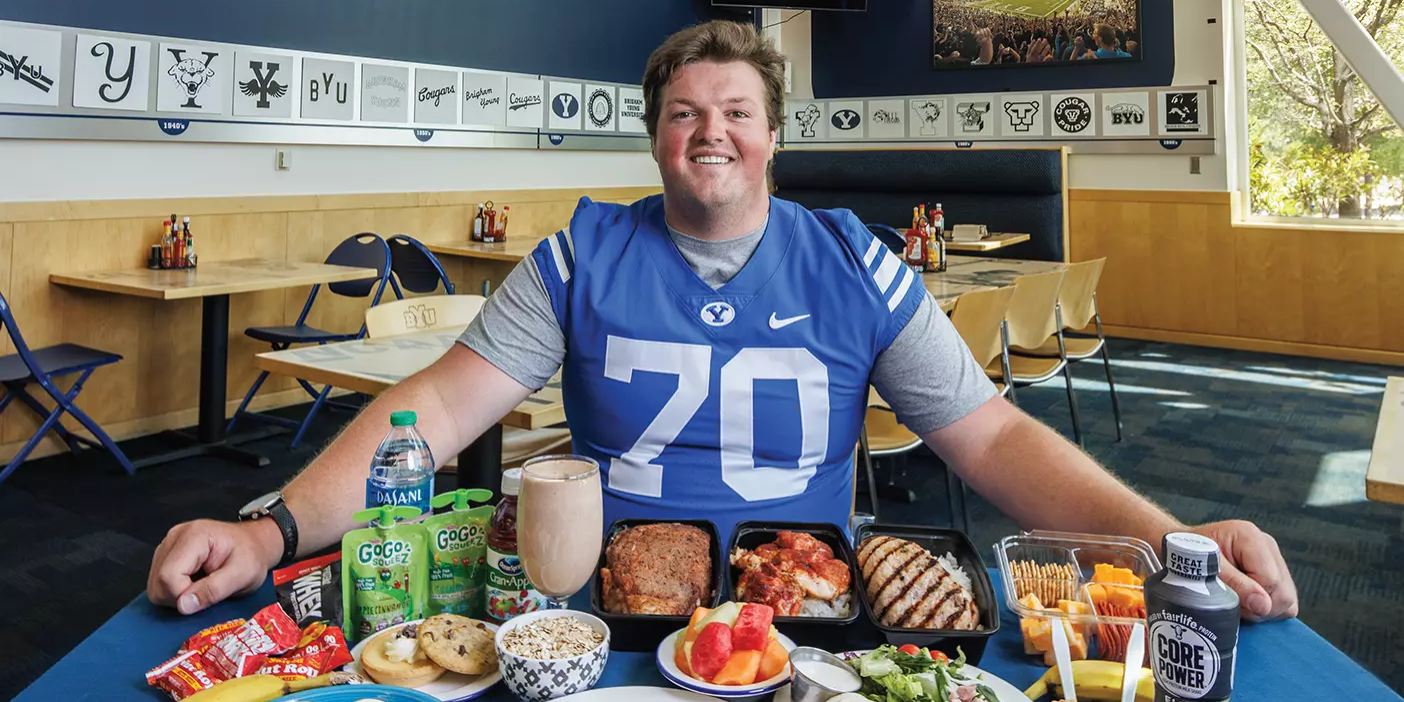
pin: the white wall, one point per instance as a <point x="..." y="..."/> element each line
<point x="1199" y="58"/>
<point x="102" y="170"/>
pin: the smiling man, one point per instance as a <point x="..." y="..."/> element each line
<point x="716" y="347"/>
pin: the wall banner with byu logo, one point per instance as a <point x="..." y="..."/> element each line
<point x="263" y="84"/>
<point x="1022" y="115"/>
<point x="31" y="66"/>
<point x="631" y="111"/>
<point x="524" y="102"/>
<point x="928" y="117"/>
<point x="384" y="93"/>
<point x="111" y="73"/>
<point x="435" y="96"/>
<point x="846" y="120"/>
<point x="565" y="106"/>
<point x="328" y="89"/>
<point x="886" y="119"/>
<point x="1072" y="114"/>
<point x="805" y="121"/>
<point x="484" y="99"/>
<point x="193" y="78"/>
<point x="600" y="108"/>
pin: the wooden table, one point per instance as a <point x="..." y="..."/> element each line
<point x="513" y="250"/>
<point x="1384" y="478"/>
<point x="990" y="243"/>
<point x="213" y="282"/>
<point x="967" y="274"/>
<point x="375" y="365"/>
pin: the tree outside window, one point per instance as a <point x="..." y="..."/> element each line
<point x="1320" y="144"/>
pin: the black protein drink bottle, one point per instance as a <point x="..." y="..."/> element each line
<point x="1193" y="620"/>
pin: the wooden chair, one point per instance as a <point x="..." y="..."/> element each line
<point x="422" y="313"/>
<point x="1078" y="301"/>
<point x="1034" y="319"/>
<point x="883" y="436"/>
<point x="979" y="319"/>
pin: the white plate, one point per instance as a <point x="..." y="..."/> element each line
<point x="636" y="694"/>
<point x="451" y="686"/>
<point x="1003" y="690"/>
<point x="669" y="669"/>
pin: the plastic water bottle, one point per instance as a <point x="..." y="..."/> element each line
<point x="402" y="472"/>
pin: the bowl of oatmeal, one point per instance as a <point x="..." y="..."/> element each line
<point x="551" y="653"/>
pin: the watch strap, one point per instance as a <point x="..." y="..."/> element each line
<point x="281" y="516"/>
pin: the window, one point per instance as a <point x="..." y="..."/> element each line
<point x="1319" y="142"/>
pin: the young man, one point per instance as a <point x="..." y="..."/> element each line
<point x="716" y="345"/>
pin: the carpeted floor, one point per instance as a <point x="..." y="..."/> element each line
<point x="1210" y="435"/>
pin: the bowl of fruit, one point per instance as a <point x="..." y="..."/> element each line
<point x="732" y="652"/>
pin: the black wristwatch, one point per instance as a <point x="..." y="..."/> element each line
<point x="271" y="506"/>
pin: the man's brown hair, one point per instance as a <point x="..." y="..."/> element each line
<point x="719" y="41"/>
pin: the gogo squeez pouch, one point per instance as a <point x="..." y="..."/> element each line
<point x="458" y="554"/>
<point x="384" y="571"/>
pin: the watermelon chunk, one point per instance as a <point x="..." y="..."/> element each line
<point x="752" y="629"/>
<point x="711" y="650"/>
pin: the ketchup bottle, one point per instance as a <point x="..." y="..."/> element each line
<point x="508" y="591"/>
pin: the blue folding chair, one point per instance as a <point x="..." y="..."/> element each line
<point x="41" y="366"/>
<point x="364" y="250"/>
<point x="415" y="267"/>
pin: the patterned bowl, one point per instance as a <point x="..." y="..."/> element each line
<point x="536" y="680"/>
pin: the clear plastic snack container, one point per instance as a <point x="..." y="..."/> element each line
<point x="1061" y="566"/>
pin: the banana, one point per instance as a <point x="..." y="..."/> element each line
<point x="263" y="688"/>
<point x="1099" y="681"/>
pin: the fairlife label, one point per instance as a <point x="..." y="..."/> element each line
<point x="509" y="592"/>
<point x="1186" y="659"/>
<point x="417" y="496"/>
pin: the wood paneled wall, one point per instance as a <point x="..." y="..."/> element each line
<point x="156" y="385"/>
<point x="1178" y="269"/>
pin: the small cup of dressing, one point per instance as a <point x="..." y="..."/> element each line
<point x="818" y="675"/>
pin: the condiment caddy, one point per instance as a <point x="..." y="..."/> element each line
<point x="176" y="249"/>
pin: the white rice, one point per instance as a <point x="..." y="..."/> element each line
<point x="839" y="608"/>
<point x="952" y="566"/>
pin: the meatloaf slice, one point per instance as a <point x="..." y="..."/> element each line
<point x="657" y="569"/>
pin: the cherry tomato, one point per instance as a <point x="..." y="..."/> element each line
<point x="939" y="656"/>
<point x="909" y="649"/>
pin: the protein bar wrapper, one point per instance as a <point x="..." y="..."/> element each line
<point x="310" y="590"/>
<point x="184" y="675"/>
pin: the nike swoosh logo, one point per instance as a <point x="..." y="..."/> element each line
<point x="782" y="323"/>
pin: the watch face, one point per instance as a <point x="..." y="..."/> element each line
<point x="261" y="504"/>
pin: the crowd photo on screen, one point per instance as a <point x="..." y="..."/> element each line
<point x="988" y="32"/>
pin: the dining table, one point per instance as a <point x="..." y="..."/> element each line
<point x="375" y="365"/>
<point x="1276" y="661"/>
<point x="212" y="282"/>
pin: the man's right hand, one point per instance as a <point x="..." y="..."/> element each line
<point x="234" y="558"/>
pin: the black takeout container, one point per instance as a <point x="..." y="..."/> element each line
<point x="643" y="632"/>
<point x="829" y="633"/>
<point x="939" y="542"/>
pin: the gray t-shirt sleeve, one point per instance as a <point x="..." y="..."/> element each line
<point x="927" y="374"/>
<point x="517" y="330"/>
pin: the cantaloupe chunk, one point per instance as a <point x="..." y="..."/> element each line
<point x="1041" y="635"/>
<point x="692" y="628"/>
<point x="741" y="669"/>
<point x="680" y="659"/>
<point x="1028" y="627"/>
<point x="773" y="661"/>
<point x="1075" y="607"/>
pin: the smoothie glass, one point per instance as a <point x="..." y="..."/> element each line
<point x="560" y="524"/>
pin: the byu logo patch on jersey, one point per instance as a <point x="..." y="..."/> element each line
<point x="718" y="314"/>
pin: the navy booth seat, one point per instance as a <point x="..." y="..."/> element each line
<point x="1008" y="190"/>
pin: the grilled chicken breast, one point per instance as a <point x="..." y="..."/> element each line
<point x="909" y="588"/>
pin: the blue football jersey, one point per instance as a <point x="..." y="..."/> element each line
<point x="740" y="403"/>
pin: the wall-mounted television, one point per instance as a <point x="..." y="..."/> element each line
<point x="850" y="5"/>
<point x="995" y="34"/>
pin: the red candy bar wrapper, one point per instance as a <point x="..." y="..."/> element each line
<point x="206" y="638"/>
<point x="243" y="650"/>
<point x="184" y="675"/>
<point x="322" y="650"/>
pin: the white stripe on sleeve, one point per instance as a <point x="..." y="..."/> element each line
<point x="887" y="272"/>
<point x="559" y="259"/>
<point x="896" y="298"/>
<point x="872" y="252"/>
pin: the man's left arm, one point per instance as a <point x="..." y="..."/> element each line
<point x="1044" y="481"/>
<point x="1036" y="476"/>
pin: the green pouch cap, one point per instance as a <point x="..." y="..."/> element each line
<point x="458" y="554"/>
<point x="384" y="571"/>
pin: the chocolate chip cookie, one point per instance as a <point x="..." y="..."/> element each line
<point x="458" y="643"/>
